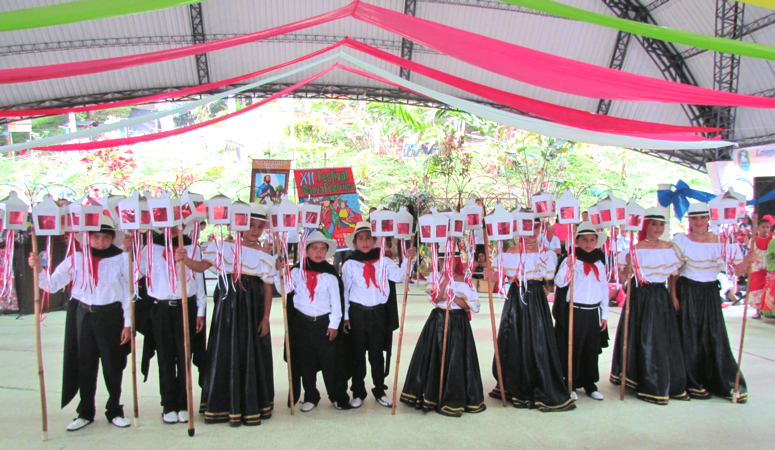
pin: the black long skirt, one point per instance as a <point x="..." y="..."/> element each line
<point x="655" y="364"/>
<point x="238" y="386"/>
<point x="532" y="372"/>
<point x="710" y="366"/>
<point x="463" y="391"/>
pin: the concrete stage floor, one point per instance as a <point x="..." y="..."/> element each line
<point x="714" y="423"/>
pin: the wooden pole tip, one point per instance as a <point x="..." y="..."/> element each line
<point x="191" y="432"/>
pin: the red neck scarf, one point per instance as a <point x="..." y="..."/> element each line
<point x="370" y="272"/>
<point x="95" y="264"/>
<point x="589" y="267"/>
<point x="312" y="282"/>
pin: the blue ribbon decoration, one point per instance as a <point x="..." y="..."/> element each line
<point x="679" y="198"/>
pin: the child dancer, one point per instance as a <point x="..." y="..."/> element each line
<point x="315" y="318"/>
<point x="463" y="390"/>
<point x="532" y="372"/>
<point x="371" y="311"/>
<point x="757" y="282"/>
<point x="710" y="365"/>
<point x="590" y="308"/>
<point x="655" y="365"/>
<point x="238" y="380"/>
<point x="166" y="321"/>
<point x="97" y="326"/>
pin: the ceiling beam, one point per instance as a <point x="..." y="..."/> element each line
<point x="410" y="8"/>
<point x="656" y="4"/>
<point x="491" y="4"/>
<point x="181" y="40"/>
<point x="726" y="66"/>
<point x="741" y="32"/>
<point x="198" y="37"/>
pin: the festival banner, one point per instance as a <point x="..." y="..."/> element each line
<point x="269" y="180"/>
<point x="333" y="189"/>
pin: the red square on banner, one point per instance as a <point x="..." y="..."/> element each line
<point x="160" y="214"/>
<point x="458" y="226"/>
<point x="289" y="220"/>
<point x="542" y="207"/>
<point x="128" y="216"/>
<point x="93" y="220"/>
<point x="504" y="228"/>
<point x="730" y="213"/>
<point x="634" y="220"/>
<point x="566" y="213"/>
<point x="220" y="212"/>
<point x="619" y="213"/>
<point x="527" y="225"/>
<point x="605" y="215"/>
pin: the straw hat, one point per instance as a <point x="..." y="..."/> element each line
<point x="317" y="236"/>
<point x="588" y="228"/>
<point x="360" y="226"/>
<point x="107" y="226"/>
<point x="698" y="209"/>
<point x="258" y="212"/>
<point x="655" y="213"/>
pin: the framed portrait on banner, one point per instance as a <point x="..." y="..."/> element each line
<point x="269" y="179"/>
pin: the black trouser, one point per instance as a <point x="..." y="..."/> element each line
<point x="317" y="353"/>
<point x="586" y="347"/>
<point x="368" y="334"/>
<point x="99" y="338"/>
<point x="167" y="324"/>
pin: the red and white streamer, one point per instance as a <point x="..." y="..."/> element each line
<point x="471" y="251"/>
<point x="6" y="284"/>
<point x="434" y="281"/>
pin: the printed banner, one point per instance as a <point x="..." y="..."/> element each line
<point x="333" y="189"/>
<point x="269" y="180"/>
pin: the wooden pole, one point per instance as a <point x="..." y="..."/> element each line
<point x="736" y="392"/>
<point x="570" y="318"/>
<point x="492" y="313"/>
<point x="444" y="349"/>
<point x="186" y="337"/>
<point x="132" y="341"/>
<point x="38" y="346"/>
<point x="287" y="335"/>
<point x="401" y="334"/>
<point x="623" y="387"/>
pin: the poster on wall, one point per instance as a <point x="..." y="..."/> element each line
<point x="333" y="189"/>
<point x="269" y="180"/>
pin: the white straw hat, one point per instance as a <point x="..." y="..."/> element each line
<point x="106" y="225"/>
<point x="698" y="209"/>
<point x="588" y="228"/>
<point x="317" y="236"/>
<point x="360" y="226"/>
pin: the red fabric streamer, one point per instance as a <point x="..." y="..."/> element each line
<point x="95" y="264"/>
<point x="163" y="95"/>
<point x="546" y="70"/>
<point x="164" y="134"/>
<point x="24" y="74"/>
<point x="556" y="113"/>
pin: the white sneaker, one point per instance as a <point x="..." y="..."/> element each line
<point x="170" y="418"/>
<point x="596" y="395"/>
<point x="121" y="422"/>
<point x="78" y="424"/>
<point x="307" y="406"/>
<point x="385" y="401"/>
<point x="356" y="402"/>
<point x="574" y="396"/>
<point x="182" y="416"/>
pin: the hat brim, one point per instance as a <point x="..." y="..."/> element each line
<point x="350" y="240"/>
<point x="118" y="241"/>
<point x="601" y="238"/>
<point x="332" y="247"/>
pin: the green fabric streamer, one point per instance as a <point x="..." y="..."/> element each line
<point x="721" y="45"/>
<point x="79" y="11"/>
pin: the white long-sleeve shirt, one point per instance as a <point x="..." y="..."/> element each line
<point x="587" y="289"/>
<point x="159" y="285"/>
<point x="355" y="289"/>
<point x="326" y="297"/>
<point x="112" y="282"/>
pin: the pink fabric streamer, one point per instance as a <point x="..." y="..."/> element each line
<point x="169" y="252"/>
<point x="177" y="131"/>
<point x="162" y="96"/>
<point x="546" y="70"/>
<point x="48" y="72"/>
<point x="556" y="113"/>
<point x="137" y="254"/>
<point x="302" y="259"/>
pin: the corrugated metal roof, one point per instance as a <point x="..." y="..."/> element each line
<point x="579" y="41"/>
